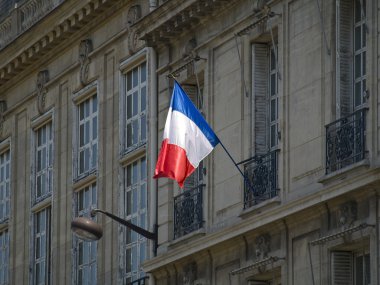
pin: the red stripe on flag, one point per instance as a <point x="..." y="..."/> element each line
<point x="172" y="162"/>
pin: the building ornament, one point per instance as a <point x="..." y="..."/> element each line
<point x="347" y="214"/>
<point x="262" y="246"/>
<point x="134" y="14"/>
<point x="3" y="108"/>
<point x="190" y="274"/>
<point x="85" y="48"/>
<point x="42" y="79"/>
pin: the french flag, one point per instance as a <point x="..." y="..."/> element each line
<point x="187" y="140"/>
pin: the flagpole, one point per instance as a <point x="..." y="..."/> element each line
<point x="241" y="172"/>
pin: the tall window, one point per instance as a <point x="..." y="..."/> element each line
<point x="43" y="162"/>
<point x="360" y="48"/>
<point x="265" y="88"/>
<point x="85" y="251"/>
<point x="135" y="133"/>
<point x="4" y="258"/>
<point x="4" y="185"/>
<point x="88" y="135"/>
<point x="135" y="210"/>
<point x="41" y="246"/>
<point x="351" y="56"/>
<point x="352" y="268"/>
<point x="196" y="178"/>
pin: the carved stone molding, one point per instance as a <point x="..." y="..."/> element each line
<point x="188" y="49"/>
<point x="262" y="246"/>
<point x="134" y="14"/>
<point x="85" y="48"/>
<point x="42" y="79"/>
<point x="190" y="274"/>
<point x="347" y="214"/>
<point x="3" y="108"/>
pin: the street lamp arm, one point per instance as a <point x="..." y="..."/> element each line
<point x="137" y="229"/>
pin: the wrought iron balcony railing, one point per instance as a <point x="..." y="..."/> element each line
<point x="141" y="281"/>
<point x="261" y="172"/>
<point x="345" y="141"/>
<point x="188" y="211"/>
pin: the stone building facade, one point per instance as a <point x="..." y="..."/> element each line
<point x="289" y="87"/>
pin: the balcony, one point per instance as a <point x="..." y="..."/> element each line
<point x="261" y="172"/>
<point x="345" y="141"/>
<point x="18" y="16"/>
<point x="141" y="281"/>
<point x="188" y="211"/>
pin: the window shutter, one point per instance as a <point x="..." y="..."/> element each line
<point x="193" y="180"/>
<point x="260" y="94"/>
<point x="344" y="57"/>
<point x="342" y="267"/>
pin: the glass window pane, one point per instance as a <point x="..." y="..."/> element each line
<point x="135" y="103"/>
<point x="273" y="110"/>
<point x="143" y="72"/>
<point x="129" y="134"/>
<point x="358" y="65"/>
<point x="143" y="128"/>
<point x="358" y="37"/>
<point x="129" y="80"/>
<point x="358" y="94"/>
<point x="135" y="77"/>
<point x="143" y="98"/>
<point x="129" y="106"/>
<point x="135" y="132"/>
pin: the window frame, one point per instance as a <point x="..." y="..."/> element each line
<point x="134" y="240"/>
<point x="47" y="244"/>
<point x="7" y="253"/>
<point x="88" y="93"/>
<point x="77" y="242"/>
<point x="127" y="65"/>
<point x="5" y="149"/>
<point x="37" y="125"/>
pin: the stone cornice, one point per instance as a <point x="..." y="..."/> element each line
<point x="29" y="47"/>
<point x="176" y="17"/>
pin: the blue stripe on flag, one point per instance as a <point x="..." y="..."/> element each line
<point x="181" y="103"/>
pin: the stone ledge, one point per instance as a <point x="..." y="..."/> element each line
<point x="68" y="26"/>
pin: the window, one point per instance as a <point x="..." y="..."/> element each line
<point x="41" y="246"/>
<point x="4" y="185"/>
<point x="351" y="56"/>
<point x="43" y="162"/>
<point x="85" y="251"/>
<point x="265" y="88"/>
<point x="88" y="135"/>
<point x="134" y="201"/>
<point x="350" y="268"/>
<point x="196" y="178"/>
<point x="4" y="258"/>
<point x="135" y="101"/>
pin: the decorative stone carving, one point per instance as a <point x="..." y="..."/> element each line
<point x="3" y="108"/>
<point x="188" y="50"/>
<point x="262" y="246"/>
<point x="42" y="79"/>
<point x="190" y="274"/>
<point x="85" y="48"/>
<point x="34" y="10"/>
<point x="134" y="14"/>
<point x="347" y="214"/>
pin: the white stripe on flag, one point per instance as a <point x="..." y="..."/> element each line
<point x="183" y="132"/>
